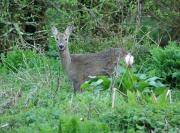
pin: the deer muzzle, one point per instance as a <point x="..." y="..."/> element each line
<point x="61" y="47"/>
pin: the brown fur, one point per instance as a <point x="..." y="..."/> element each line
<point x="80" y="66"/>
<point x="83" y="65"/>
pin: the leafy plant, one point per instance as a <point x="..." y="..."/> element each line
<point x="165" y="63"/>
<point x="18" y="59"/>
<point x="142" y="118"/>
<point x="48" y="98"/>
<point x="97" y="83"/>
<point x="127" y="81"/>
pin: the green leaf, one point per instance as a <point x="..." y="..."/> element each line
<point x="153" y="78"/>
<point x="98" y="82"/>
<point x="142" y="85"/>
<point x="154" y="81"/>
<point x="141" y="76"/>
<point x="85" y="85"/>
<point x="106" y="81"/>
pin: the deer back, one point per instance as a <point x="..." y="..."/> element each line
<point x="101" y="63"/>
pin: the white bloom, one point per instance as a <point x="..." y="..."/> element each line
<point x="129" y="59"/>
<point x="81" y="119"/>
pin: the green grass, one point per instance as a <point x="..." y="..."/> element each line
<point x="36" y="96"/>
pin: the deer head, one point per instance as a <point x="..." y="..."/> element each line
<point x="62" y="38"/>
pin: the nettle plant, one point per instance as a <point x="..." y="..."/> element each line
<point x="128" y="82"/>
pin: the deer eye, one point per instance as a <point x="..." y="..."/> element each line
<point x="65" y="39"/>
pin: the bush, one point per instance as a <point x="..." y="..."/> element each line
<point x="164" y="20"/>
<point x="18" y="58"/>
<point x="143" y="118"/>
<point x="165" y="63"/>
<point x="127" y="82"/>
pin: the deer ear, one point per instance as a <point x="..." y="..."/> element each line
<point x="69" y="30"/>
<point x="54" y="31"/>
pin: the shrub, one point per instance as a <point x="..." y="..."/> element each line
<point x="18" y="58"/>
<point x="163" y="22"/>
<point x="128" y="82"/>
<point x="143" y="118"/>
<point x="165" y="63"/>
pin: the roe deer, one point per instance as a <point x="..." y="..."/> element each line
<point x="80" y="66"/>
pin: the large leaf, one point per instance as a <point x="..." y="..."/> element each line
<point x="141" y="85"/>
<point x="141" y="76"/>
<point x="98" y="82"/>
<point x="154" y="81"/>
<point x="86" y="84"/>
<point x="106" y="81"/>
<point x="153" y="78"/>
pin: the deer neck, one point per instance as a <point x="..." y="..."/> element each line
<point x="65" y="59"/>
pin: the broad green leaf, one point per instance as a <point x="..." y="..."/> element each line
<point x="85" y="85"/>
<point x="142" y="85"/>
<point x="106" y="81"/>
<point x="98" y="82"/>
<point x="141" y="76"/>
<point x="153" y="78"/>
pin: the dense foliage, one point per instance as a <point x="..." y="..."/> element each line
<point x="165" y="63"/>
<point x="37" y="96"/>
<point x="35" y="93"/>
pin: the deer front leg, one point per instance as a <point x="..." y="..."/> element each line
<point x="76" y="86"/>
<point x="77" y="80"/>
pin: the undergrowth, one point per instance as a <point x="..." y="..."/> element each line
<point x="36" y="97"/>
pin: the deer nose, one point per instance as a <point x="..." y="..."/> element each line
<point x="61" y="46"/>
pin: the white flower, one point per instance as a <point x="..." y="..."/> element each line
<point x="81" y="119"/>
<point x="129" y="59"/>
